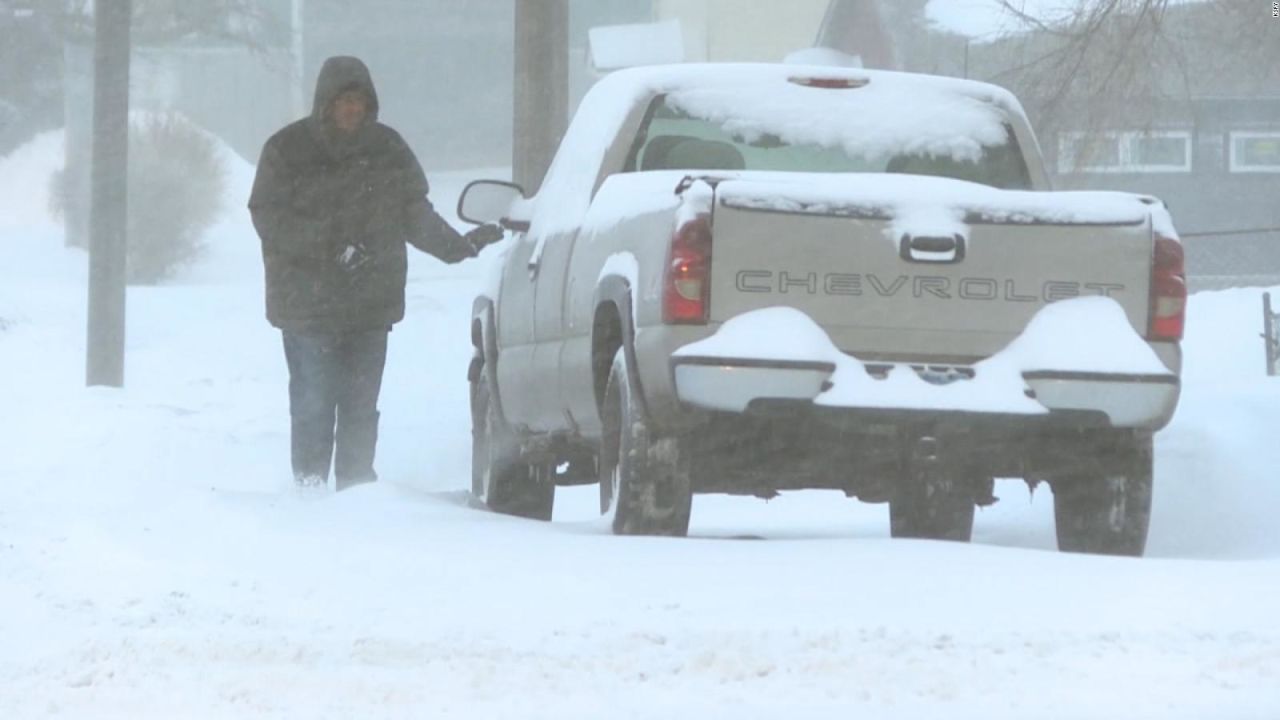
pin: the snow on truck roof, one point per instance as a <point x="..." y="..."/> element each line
<point x="865" y="112"/>
<point x="668" y="78"/>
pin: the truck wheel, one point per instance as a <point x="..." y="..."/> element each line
<point x="933" y="499"/>
<point x="1107" y="513"/>
<point x="498" y="477"/>
<point x="644" y="483"/>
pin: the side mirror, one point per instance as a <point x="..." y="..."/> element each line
<point x="488" y="201"/>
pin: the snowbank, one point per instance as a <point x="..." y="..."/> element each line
<point x="24" y="185"/>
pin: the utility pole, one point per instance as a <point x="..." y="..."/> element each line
<point x="108" y="209"/>
<point x="856" y="27"/>
<point x="541" y="87"/>
<point x="296" y="15"/>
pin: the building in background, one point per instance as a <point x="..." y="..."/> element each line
<point x="1213" y="159"/>
<point x="443" y="69"/>
<point x="1201" y="131"/>
<point x="736" y="31"/>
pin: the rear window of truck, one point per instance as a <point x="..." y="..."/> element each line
<point x="671" y="139"/>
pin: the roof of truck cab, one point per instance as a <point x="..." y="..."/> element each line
<point x="668" y="78"/>
<point x="879" y="112"/>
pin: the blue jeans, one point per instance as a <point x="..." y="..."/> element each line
<point x="334" y="382"/>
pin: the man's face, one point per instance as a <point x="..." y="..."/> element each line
<point x="349" y="110"/>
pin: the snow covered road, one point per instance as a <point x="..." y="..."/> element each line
<point x="155" y="563"/>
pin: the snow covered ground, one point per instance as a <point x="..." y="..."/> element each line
<point x="155" y="563"/>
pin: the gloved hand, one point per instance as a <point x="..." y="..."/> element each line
<point x="352" y="257"/>
<point x="483" y="236"/>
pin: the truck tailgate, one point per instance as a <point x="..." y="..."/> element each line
<point x="959" y="290"/>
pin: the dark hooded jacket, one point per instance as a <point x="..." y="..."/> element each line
<point x="318" y="192"/>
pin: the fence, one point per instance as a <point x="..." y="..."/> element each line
<point x="1217" y="260"/>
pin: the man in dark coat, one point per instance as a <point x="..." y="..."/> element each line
<point x="336" y="197"/>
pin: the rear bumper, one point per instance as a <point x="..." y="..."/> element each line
<point x="1129" y="401"/>
<point x="731" y="386"/>
<point x="1144" y="402"/>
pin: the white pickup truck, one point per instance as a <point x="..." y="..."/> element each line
<point x="752" y="278"/>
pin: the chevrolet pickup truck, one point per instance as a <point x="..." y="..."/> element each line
<point x="750" y="279"/>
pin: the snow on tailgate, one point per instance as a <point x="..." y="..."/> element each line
<point x="895" y="196"/>
<point x="1089" y="335"/>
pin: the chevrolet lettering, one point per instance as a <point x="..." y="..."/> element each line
<point x="919" y="286"/>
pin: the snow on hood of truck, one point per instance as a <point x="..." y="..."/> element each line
<point x="931" y="114"/>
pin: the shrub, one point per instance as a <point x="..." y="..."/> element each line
<point x="176" y="183"/>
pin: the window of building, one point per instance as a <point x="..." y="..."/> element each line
<point x="1082" y="151"/>
<point x="1255" y="152"/>
<point x="1118" y="152"/>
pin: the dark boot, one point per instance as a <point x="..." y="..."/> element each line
<point x="357" y="440"/>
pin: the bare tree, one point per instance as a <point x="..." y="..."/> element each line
<point x="32" y="47"/>
<point x="857" y="27"/>
<point x="242" y="22"/>
<point x="1108" y="63"/>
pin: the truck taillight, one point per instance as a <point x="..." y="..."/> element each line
<point x="1168" y="291"/>
<point x="687" y="286"/>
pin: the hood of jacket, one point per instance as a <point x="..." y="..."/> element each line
<point x="338" y="75"/>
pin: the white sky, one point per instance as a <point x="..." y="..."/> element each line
<point x="986" y="18"/>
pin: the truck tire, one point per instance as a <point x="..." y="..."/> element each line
<point x="1107" y="512"/>
<point x="933" y="498"/>
<point x="644" y="481"/>
<point x="499" y="478"/>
